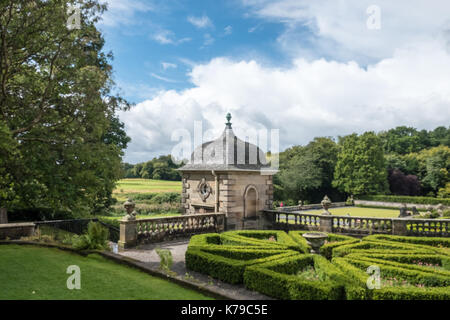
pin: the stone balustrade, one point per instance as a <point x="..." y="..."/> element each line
<point x="310" y="207"/>
<point x="141" y="231"/>
<point x="284" y="220"/>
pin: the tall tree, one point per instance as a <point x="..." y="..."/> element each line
<point x="307" y="172"/>
<point x="360" y="168"/>
<point x="402" y="140"/>
<point x="56" y="101"/>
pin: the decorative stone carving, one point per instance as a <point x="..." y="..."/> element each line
<point x="129" y="206"/>
<point x="403" y="212"/>
<point x="326" y="204"/>
<point x="204" y="189"/>
<point x="315" y="240"/>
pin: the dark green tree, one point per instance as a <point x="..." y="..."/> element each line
<point x="307" y="172"/>
<point x="361" y="168"/>
<point x="56" y="101"/>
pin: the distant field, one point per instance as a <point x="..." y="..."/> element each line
<point x="360" y="212"/>
<point x="126" y="187"/>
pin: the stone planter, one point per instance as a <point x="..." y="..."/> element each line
<point x="315" y="240"/>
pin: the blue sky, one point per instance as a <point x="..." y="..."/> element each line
<point x="306" y="68"/>
<point x="160" y="43"/>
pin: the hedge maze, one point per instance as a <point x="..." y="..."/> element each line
<point x="279" y="265"/>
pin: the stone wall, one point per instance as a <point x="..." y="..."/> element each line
<point x="190" y="197"/>
<point x="233" y="187"/>
<point x="15" y="231"/>
<point x="233" y="201"/>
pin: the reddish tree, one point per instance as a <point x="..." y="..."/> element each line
<point x="401" y="184"/>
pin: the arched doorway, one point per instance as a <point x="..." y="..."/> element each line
<point x="250" y="203"/>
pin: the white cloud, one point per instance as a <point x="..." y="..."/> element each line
<point x="338" y="29"/>
<point x="228" y="30"/>
<point x="123" y="12"/>
<point x="308" y="99"/>
<point x="168" y="65"/>
<point x="154" y="75"/>
<point x="207" y="40"/>
<point x="200" y="22"/>
<point x="168" y="37"/>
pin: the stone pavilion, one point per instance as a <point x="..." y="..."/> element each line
<point x="228" y="175"/>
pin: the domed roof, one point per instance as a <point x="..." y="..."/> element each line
<point x="227" y="153"/>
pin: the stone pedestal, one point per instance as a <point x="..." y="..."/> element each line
<point x="3" y="216"/>
<point x="128" y="234"/>
<point x="326" y="223"/>
<point x="399" y="227"/>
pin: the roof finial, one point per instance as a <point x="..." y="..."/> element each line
<point x="228" y="120"/>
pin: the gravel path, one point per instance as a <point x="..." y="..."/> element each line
<point x="148" y="255"/>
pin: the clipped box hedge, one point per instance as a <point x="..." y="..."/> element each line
<point x="271" y="267"/>
<point x="229" y="268"/>
<point x="406" y="199"/>
<point x="278" y="279"/>
<point x="259" y="238"/>
<point x="434" y="241"/>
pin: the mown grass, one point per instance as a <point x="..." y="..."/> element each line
<point x="125" y="188"/>
<point x="359" y="212"/>
<point x="29" y="272"/>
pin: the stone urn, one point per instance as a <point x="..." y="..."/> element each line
<point x="129" y="206"/>
<point x="315" y="240"/>
<point x="326" y="204"/>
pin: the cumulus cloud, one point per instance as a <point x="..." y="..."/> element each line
<point x="310" y="98"/>
<point x="338" y="29"/>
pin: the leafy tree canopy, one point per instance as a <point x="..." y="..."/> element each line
<point x="57" y="104"/>
<point x="360" y="167"/>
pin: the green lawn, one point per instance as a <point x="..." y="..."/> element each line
<point x="146" y="186"/>
<point x="29" y="272"/>
<point x="360" y="212"/>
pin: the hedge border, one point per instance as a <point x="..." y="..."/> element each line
<point x="240" y="257"/>
<point x="268" y="279"/>
<point x="406" y="199"/>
